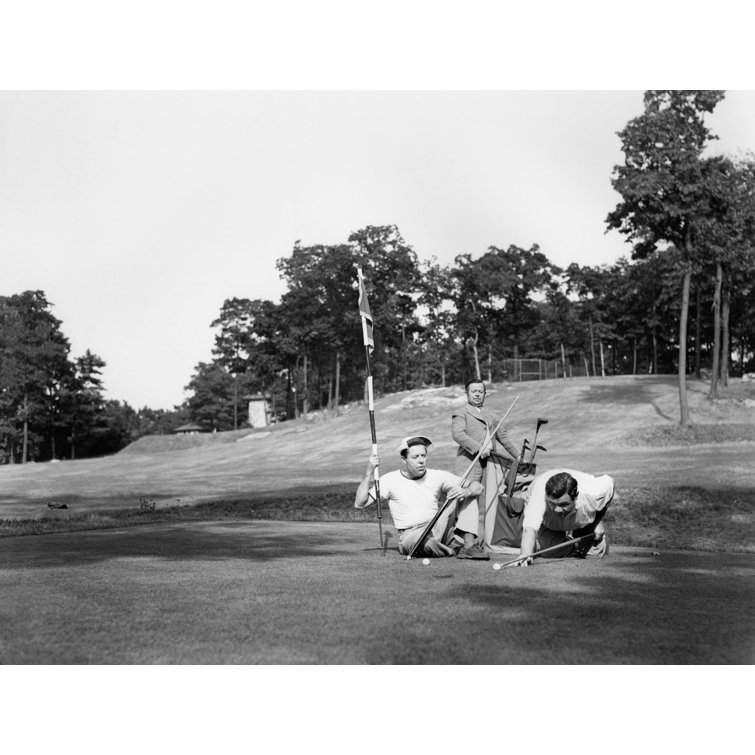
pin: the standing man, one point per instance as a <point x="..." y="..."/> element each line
<point x="414" y="494"/>
<point x="468" y="428"/>
<point x="563" y="501"/>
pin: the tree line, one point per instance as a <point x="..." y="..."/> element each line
<point x="438" y="325"/>
<point x="683" y="303"/>
<point x="691" y="220"/>
<point x="51" y="404"/>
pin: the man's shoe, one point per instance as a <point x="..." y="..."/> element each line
<point x="476" y="552"/>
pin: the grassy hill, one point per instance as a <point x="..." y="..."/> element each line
<point x="625" y="426"/>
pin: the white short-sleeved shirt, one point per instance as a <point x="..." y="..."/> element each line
<point x="414" y="502"/>
<point x="594" y="494"/>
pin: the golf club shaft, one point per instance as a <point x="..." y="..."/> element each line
<point x="548" y="550"/>
<point x="514" y="469"/>
<point x="540" y="422"/>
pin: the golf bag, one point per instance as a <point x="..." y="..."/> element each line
<point x="502" y="515"/>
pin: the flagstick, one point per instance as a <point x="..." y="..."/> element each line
<point x="374" y="451"/>
<point x="371" y="404"/>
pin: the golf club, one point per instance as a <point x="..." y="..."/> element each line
<point x="540" y="422"/>
<point x="548" y="550"/>
<point x="514" y="469"/>
<point x="532" y="455"/>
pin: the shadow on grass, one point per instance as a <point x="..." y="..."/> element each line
<point x="673" y="609"/>
<point x="640" y="392"/>
<point x="214" y="541"/>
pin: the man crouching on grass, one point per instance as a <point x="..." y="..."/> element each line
<point x="414" y="494"/>
<point x="563" y="502"/>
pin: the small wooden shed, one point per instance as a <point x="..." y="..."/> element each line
<point x="259" y="411"/>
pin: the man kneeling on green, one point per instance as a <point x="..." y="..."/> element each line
<point x="414" y="494"/>
<point x="562" y="502"/>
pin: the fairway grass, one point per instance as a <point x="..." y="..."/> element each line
<point x="229" y="592"/>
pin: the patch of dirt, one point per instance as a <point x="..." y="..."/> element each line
<point x="690" y="435"/>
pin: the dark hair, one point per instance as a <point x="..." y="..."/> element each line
<point x="472" y="382"/>
<point x="413" y="442"/>
<point x="559" y="484"/>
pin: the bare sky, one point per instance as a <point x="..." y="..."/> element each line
<point x="138" y="213"/>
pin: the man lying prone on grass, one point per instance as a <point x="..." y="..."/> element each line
<point x="561" y="503"/>
<point x="414" y="494"/>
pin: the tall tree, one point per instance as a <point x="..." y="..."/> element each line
<point x="729" y="240"/>
<point x="249" y="346"/>
<point x="211" y="403"/>
<point x="588" y="284"/>
<point x="234" y="342"/>
<point x="85" y="400"/>
<point x="323" y="321"/>
<point x="477" y="287"/>
<point x="34" y="366"/>
<point x="322" y="302"/>
<point x="558" y="332"/>
<point x="393" y="277"/>
<point x="664" y="184"/>
<point x="520" y="274"/>
<point x="440" y="348"/>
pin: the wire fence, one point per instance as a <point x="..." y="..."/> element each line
<point x="518" y="370"/>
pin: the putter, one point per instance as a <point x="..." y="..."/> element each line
<point x="548" y="550"/>
<point x="540" y="422"/>
<point x="514" y="469"/>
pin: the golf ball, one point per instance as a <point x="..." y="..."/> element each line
<point x="426" y="561"/>
<point x="497" y="567"/>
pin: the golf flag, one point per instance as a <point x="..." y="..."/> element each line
<point x="365" y="314"/>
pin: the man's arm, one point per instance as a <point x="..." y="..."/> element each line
<point x="533" y="518"/>
<point x="460" y="434"/>
<point x="467" y="490"/>
<point x="528" y="545"/>
<point x="602" y="498"/>
<point x="597" y="495"/>
<point x="362" y="498"/>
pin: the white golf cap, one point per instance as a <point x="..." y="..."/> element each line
<point x="414" y="440"/>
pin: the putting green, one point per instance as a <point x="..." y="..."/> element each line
<point x="313" y="592"/>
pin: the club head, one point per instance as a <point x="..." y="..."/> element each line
<point x="541" y="448"/>
<point x="541" y="421"/>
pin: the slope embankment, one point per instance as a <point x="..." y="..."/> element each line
<point x="625" y="426"/>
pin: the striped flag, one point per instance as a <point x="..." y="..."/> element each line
<point x="365" y="314"/>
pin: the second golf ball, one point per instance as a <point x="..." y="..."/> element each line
<point x="426" y="561"/>
<point x="497" y="567"/>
